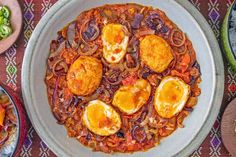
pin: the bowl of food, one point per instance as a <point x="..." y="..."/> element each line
<point x="228" y="33"/>
<point x="10" y="23"/>
<point x="123" y="78"/>
<point x="12" y="123"/>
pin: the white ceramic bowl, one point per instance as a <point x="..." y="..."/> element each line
<point x="183" y="141"/>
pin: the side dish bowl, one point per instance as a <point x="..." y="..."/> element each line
<point x="14" y="141"/>
<point x="228" y="33"/>
<point x="183" y="141"/>
<point x="16" y="24"/>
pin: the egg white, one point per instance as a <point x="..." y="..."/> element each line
<point x="162" y="107"/>
<point x="109" y="49"/>
<point x="109" y="112"/>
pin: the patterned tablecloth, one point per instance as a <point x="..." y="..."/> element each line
<point x="11" y="62"/>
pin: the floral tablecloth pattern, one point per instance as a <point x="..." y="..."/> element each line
<point x="11" y="63"/>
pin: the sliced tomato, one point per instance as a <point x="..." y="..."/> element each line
<point x="185" y="62"/>
<point x="130" y="80"/>
<point x="184" y="76"/>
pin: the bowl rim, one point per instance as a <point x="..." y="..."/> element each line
<point x="18" y="120"/>
<point x="219" y="77"/>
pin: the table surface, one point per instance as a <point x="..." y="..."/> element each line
<point x="11" y="62"/>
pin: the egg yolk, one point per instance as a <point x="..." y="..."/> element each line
<point x="127" y="100"/>
<point x="97" y="117"/>
<point x="131" y="98"/>
<point x="171" y="96"/>
<point x="101" y="118"/>
<point x="114" y="42"/>
<point x="113" y="34"/>
<point x="171" y="92"/>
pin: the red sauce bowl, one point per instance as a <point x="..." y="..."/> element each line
<point x="20" y="115"/>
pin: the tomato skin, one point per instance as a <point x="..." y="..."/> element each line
<point x="130" y="80"/>
<point x="2" y="115"/>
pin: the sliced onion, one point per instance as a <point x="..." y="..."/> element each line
<point x="82" y="28"/>
<point x="162" y="122"/>
<point x="133" y="69"/>
<point x="54" y="96"/>
<point x="182" y="49"/>
<point x="3" y="136"/>
<point x="100" y="138"/>
<point x="105" y="96"/>
<point x="152" y="122"/>
<point x="104" y="148"/>
<point x="116" y="82"/>
<point x="53" y="59"/>
<point x="154" y="22"/>
<point x="188" y="109"/>
<point x="173" y="62"/>
<point x="88" y="137"/>
<point x="149" y="136"/>
<point x="138" y="129"/>
<point x="62" y="65"/>
<point x="180" y="120"/>
<point x="144" y="72"/>
<point x="53" y="46"/>
<point x="130" y="61"/>
<point x="113" y="144"/>
<point x="136" y="116"/>
<point x="144" y="33"/>
<point x="58" y="50"/>
<point x="114" y="78"/>
<point x="60" y="38"/>
<point x="85" y="31"/>
<point x="173" y="39"/>
<point x="85" y="99"/>
<point x="96" y="34"/>
<point x="73" y="101"/>
<point x="49" y="76"/>
<point x="143" y="116"/>
<point x="196" y="65"/>
<point x="165" y="30"/>
<point x="71" y="33"/>
<point x="11" y="116"/>
<point x="84" y="133"/>
<point x="137" y="21"/>
<point x="113" y="66"/>
<point x="126" y="31"/>
<point x="154" y="79"/>
<point x="91" y="51"/>
<point x="150" y="110"/>
<point x="133" y="45"/>
<point x="59" y="115"/>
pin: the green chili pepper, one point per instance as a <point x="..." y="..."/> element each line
<point x="6" y="22"/>
<point x="5" y="31"/>
<point x="5" y="26"/>
<point x="1" y="20"/>
<point x="5" y="11"/>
